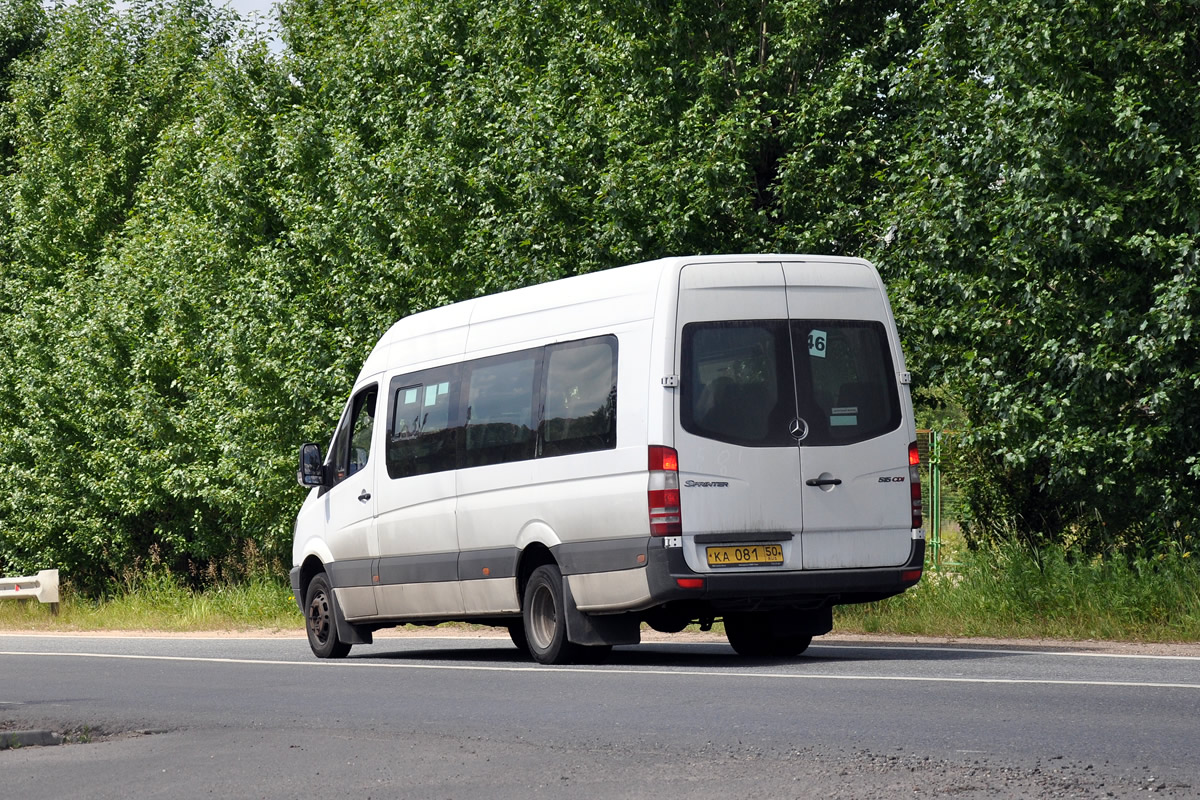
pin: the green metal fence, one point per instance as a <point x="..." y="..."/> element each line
<point x="938" y="497"/>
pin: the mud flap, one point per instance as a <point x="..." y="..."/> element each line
<point x="598" y="629"/>
<point x="348" y="633"/>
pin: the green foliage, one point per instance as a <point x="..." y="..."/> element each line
<point x="22" y="30"/>
<point x="201" y="239"/>
<point x="452" y="149"/>
<point x="164" y="602"/>
<point x="1011" y="591"/>
<point x="1048" y="225"/>
<point x="97" y="462"/>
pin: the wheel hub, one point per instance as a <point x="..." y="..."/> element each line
<point x="318" y="617"/>
<point x="544" y="617"/>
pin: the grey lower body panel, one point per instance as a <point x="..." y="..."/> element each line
<point x="602" y="555"/>
<point x="625" y="576"/>
<point x="294" y="577"/>
<point x="425" y="568"/>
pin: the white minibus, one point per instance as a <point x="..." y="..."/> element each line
<point x="683" y="441"/>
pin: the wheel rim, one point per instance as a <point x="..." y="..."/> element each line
<point x="543" y="617"/>
<point x="318" y="618"/>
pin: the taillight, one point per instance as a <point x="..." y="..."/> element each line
<point x="914" y="483"/>
<point x="663" y="493"/>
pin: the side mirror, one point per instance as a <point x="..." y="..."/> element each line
<point x="312" y="470"/>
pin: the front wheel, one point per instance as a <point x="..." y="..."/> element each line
<point x="320" y="622"/>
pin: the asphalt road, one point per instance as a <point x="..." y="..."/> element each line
<point x="442" y="717"/>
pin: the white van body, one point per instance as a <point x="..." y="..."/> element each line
<point x="683" y="440"/>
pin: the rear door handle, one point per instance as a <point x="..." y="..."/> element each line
<point x="822" y="482"/>
<point x="365" y="496"/>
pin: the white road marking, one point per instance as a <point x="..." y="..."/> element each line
<point x="383" y="636"/>
<point x="362" y="664"/>
<point x="1001" y="651"/>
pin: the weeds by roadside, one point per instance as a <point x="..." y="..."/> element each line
<point x="1003" y="592"/>
<point x="164" y="604"/>
<point x="245" y="592"/>
<point x="1010" y="592"/>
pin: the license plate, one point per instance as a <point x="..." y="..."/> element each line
<point x="745" y="555"/>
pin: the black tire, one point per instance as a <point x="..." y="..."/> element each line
<point x="751" y="637"/>
<point x="516" y="632"/>
<point x="545" y="619"/>
<point x="319" y="620"/>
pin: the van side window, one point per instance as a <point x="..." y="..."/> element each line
<point x="352" y="443"/>
<point x="542" y="402"/>
<point x="737" y="382"/>
<point x="845" y="379"/>
<point x="421" y="438"/>
<point x="580" y="398"/>
<point x="501" y="413"/>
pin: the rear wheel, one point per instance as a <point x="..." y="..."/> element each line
<point x="544" y="613"/>
<point x="751" y="636"/>
<point x="516" y="632"/>
<point x="320" y="622"/>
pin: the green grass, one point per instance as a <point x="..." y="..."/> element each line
<point x="1004" y="593"/>
<point x="1009" y="593"/>
<point x="160" y="603"/>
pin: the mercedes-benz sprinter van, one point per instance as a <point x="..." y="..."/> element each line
<point x="681" y="441"/>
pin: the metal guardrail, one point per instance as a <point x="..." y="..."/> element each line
<point x="43" y="587"/>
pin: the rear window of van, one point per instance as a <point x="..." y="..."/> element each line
<point x="746" y="381"/>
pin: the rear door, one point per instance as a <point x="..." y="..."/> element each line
<point x="739" y="466"/>
<point x="854" y="456"/>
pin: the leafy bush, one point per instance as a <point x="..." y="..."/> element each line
<point x="1047" y="236"/>
<point x="200" y="240"/>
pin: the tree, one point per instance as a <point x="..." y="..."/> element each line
<point x="1047" y="225"/>
<point x="202" y="240"/>
<point x="86" y="113"/>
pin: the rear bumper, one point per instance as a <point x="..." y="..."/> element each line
<point x="811" y="588"/>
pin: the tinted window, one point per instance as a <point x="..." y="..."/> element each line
<point x="737" y="382"/>
<point x="352" y="443"/>
<point x="744" y="382"/>
<point x="421" y="436"/>
<point x="504" y="408"/>
<point x="500" y="423"/>
<point x="361" y="429"/>
<point x="845" y="380"/>
<point x="580" y="400"/>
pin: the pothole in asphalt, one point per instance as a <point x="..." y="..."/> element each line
<point x="14" y="736"/>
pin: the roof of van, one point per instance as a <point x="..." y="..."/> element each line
<point x="632" y="290"/>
